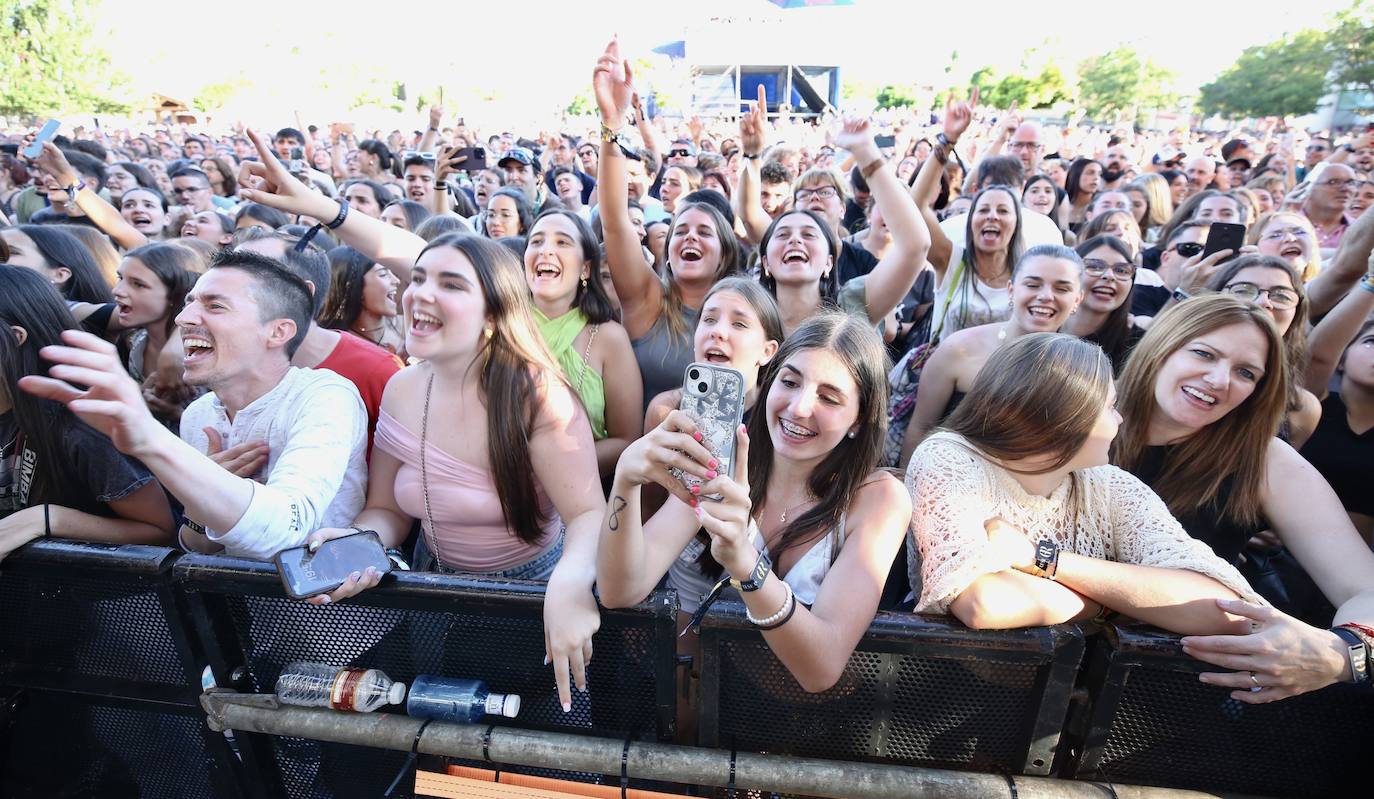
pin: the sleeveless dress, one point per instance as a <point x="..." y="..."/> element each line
<point x="560" y="334"/>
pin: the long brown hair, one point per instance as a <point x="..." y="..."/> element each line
<point x="837" y="478"/>
<point x="1295" y="337"/>
<point x="671" y="308"/>
<point x="514" y="362"/>
<point x="1038" y="396"/>
<point x="1233" y="447"/>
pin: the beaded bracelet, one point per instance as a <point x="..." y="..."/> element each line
<point x="771" y="622"/>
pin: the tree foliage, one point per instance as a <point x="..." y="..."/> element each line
<point x="1283" y="77"/>
<point x="894" y="96"/>
<point x="1026" y="90"/>
<point x="51" y="63"/>
<point x="1351" y="47"/>
<point x="1122" y="83"/>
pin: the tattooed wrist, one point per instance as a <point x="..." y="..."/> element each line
<point x="618" y="504"/>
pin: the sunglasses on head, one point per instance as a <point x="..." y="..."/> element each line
<point x="1188" y="248"/>
<point x="409" y="154"/>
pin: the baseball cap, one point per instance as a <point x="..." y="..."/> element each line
<point x="518" y="154"/>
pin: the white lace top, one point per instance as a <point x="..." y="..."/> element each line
<point x="954" y="491"/>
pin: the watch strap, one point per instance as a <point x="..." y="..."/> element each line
<point x="1180" y="295"/>
<point x="1357" y="651"/>
<point x="762" y="567"/>
<point x="1046" y="559"/>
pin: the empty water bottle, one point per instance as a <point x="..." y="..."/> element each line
<point x="456" y="700"/>
<point x="322" y="685"/>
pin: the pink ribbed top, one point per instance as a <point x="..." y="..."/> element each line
<point x="470" y="529"/>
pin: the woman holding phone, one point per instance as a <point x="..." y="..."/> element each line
<point x="807" y="525"/>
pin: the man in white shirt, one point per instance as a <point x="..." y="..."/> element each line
<point x="242" y="322"/>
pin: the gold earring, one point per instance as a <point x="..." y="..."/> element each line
<point x="584" y="282"/>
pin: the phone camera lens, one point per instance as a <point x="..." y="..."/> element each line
<point x="694" y="374"/>
<point x="702" y="387"/>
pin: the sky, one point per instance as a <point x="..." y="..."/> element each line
<point x="543" y="55"/>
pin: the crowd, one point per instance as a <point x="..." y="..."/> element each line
<point x="991" y="367"/>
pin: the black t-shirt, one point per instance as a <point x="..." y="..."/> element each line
<point x="94" y="473"/>
<point x="1226" y="538"/>
<point x="854" y="261"/>
<point x="1344" y="458"/>
<point x="1148" y="300"/>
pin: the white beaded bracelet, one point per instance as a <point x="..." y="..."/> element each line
<point x="776" y="617"/>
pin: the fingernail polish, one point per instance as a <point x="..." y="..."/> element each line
<point x="567" y="707"/>
<point x="696" y="489"/>
<point x="356" y="576"/>
<point x="313" y="545"/>
<point x="713" y="463"/>
<point x="697" y="510"/>
<point x="711" y="475"/>
<point x="693" y="503"/>
<point x="697" y="435"/>
<point x="546" y="660"/>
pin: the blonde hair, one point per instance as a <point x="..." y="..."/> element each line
<point x="1314" y="261"/>
<point x="1157" y="196"/>
<point x="1232" y="448"/>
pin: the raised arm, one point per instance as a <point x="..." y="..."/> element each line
<point x="753" y="140"/>
<point x="639" y="289"/>
<point x="654" y="140"/>
<point x="447" y="163"/>
<point x="958" y="117"/>
<point x="1330" y="337"/>
<point x="938" y="381"/>
<point x="386" y="244"/>
<point x="1350" y="262"/>
<point x="891" y="279"/>
<point x="436" y="116"/>
<point x="101" y="212"/>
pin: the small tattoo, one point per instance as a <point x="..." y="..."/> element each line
<point x="618" y="504"/>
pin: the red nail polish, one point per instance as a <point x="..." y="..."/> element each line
<point x="714" y="463"/>
<point x="697" y="435"/>
<point x="711" y="475"/>
<point x="696" y="489"/>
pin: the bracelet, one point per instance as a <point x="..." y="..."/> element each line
<point x="1359" y="628"/>
<point x="869" y="169"/>
<point x="609" y="134"/>
<point x="1357" y="650"/>
<point x="74" y="188"/>
<point x="943" y="140"/>
<point x="338" y="220"/>
<point x="791" y="609"/>
<point x="47" y="523"/>
<point x="773" y="621"/>
<point x="436" y="130"/>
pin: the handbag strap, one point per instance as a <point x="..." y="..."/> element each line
<point x="949" y="297"/>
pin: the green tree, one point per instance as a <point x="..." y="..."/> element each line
<point x="50" y="64"/>
<point x="582" y="104"/>
<point x="1121" y="83"/>
<point x="214" y="96"/>
<point x="893" y="96"/>
<point x="1280" y="78"/>
<point x="1351" y="43"/>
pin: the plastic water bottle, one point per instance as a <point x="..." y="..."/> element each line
<point x="322" y="685"/>
<point x="457" y="700"/>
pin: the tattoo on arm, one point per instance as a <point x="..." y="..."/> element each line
<point x="618" y="504"/>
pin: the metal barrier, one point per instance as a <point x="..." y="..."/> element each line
<point x="427" y="624"/>
<point x="101" y="680"/>
<point x="1150" y="721"/>
<point x="102" y="650"/>
<point x="918" y="690"/>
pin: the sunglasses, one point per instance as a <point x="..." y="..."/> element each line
<point x="428" y="158"/>
<point x="679" y="153"/>
<point x="1188" y="248"/>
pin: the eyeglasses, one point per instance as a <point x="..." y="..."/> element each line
<point x="1279" y="297"/>
<point x="679" y="153"/>
<point x="1283" y="233"/>
<point x="824" y="193"/>
<point x="1025" y="145"/>
<point x="1337" y="183"/>
<point x="1188" y="248"/>
<point x="1098" y="268"/>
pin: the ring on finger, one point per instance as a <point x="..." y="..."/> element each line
<point x="1255" y="682"/>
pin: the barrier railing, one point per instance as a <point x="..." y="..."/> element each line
<point x="102" y="650"/>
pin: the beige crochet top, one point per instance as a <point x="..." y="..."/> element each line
<point x="954" y="490"/>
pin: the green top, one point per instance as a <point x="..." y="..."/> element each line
<point x="559" y="334"/>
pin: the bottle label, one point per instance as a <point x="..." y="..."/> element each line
<point x="344" y="692"/>
<point x="494" y="703"/>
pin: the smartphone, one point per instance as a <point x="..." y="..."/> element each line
<point x="885" y="141"/>
<point x="477" y="159"/>
<point x="714" y="397"/>
<point x="49" y="130"/>
<point x="304" y="574"/>
<point x="1224" y="236"/>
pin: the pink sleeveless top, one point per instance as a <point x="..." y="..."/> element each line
<point x="471" y="532"/>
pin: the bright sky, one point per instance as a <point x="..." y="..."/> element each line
<point x="540" y="53"/>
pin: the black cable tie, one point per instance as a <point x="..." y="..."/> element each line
<point x="730" y="786"/>
<point x="411" y="759"/>
<point x="624" y="768"/>
<point x="1011" y="785"/>
<point x="486" y="751"/>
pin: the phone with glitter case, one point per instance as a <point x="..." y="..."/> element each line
<point x="714" y="397"/>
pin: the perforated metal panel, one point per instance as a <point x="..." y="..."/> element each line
<point x="1154" y="723"/>
<point x="62" y="746"/>
<point x="94" y="627"/>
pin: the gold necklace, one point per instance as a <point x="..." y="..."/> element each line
<point x="782" y="517"/>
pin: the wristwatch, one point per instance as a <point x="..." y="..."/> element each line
<point x="1180" y="295"/>
<point x="1355" y="650"/>
<point x="757" y="576"/>
<point x="1046" y="559"/>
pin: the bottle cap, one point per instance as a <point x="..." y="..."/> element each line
<point x="396" y="694"/>
<point x="510" y="705"/>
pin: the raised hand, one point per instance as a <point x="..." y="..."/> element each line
<point x="753" y="126"/>
<point x="675" y="444"/>
<point x="448" y="162"/>
<point x="856" y="136"/>
<point x="55" y="165"/>
<point x="113" y="403"/>
<point x="436" y="115"/>
<point x="613" y="85"/>
<point x="959" y="115"/>
<point x="277" y="188"/>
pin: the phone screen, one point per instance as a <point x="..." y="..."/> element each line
<point x="36" y="148"/>
<point x="1224" y="236"/>
<point x="305" y="575"/>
